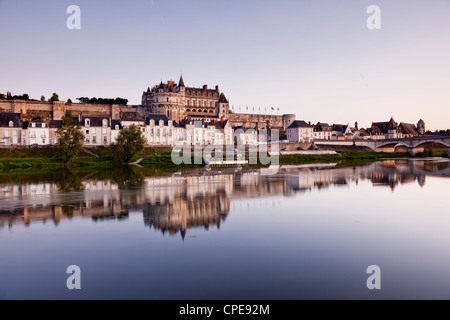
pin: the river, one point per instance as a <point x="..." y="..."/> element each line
<point x="307" y="232"/>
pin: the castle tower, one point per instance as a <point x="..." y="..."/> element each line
<point x="288" y="119"/>
<point x="223" y="107"/>
<point x="421" y="127"/>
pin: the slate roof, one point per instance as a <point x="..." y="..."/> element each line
<point x="6" y="117"/>
<point x="114" y="123"/>
<point x="55" y="123"/>
<point x="181" y="82"/>
<point x="132" y="116"/>
<point x="299" y="124"/>
<point x="94" y="121"/>
<point x="222" y="98"/>
<point x="157" y="117"/>
<point x="408" y="128"/>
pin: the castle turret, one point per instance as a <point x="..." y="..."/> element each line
<point x="421" y="127"/>
<point x="223" y="106"/>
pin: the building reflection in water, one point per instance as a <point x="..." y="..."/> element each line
<point x="173" y="204"/>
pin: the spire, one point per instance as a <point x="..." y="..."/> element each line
<point x="148" y="89"/>
<point x="222" y="98"/>
<point x="181" y="82"/>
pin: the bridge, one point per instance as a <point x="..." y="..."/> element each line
<point x="413" y="145"/>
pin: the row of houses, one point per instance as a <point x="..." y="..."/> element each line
<point x="103" y="131"/>
<point x="159" y="130"/>
<point x="300" y="131"/>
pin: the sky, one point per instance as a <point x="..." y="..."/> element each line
<point x="316" y="59"/>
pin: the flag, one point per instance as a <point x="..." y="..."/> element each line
<point x="278" y="109"/>
<point x="272" y="108"/>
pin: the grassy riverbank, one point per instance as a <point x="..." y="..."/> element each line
<point x="46" y="160"/>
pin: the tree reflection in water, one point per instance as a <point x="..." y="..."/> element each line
<point x="128" y="178"/>
<point x="68" y="181"/>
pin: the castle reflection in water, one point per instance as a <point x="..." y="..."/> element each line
<point x="195" y="198"/>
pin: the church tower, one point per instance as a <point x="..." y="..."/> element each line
<point x="421" y="127"/>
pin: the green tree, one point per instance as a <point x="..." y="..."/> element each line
<point x="71" y="138"/>
<point x="69" y="101"/>
<point x="129" y="143"/>
<point x="54" y="97"/>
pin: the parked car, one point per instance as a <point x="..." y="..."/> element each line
<point x="284" y="149"/>
<point x="301" y="148"/>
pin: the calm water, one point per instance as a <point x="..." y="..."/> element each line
<point x="307" y="232"/>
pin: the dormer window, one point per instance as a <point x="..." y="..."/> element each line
<point x="33" y="125"/>
<point x="11" y="124"/>
<point x="88" y="122"/>
<point x="105" y="122"/>
<point x="117" y="127"/>
<point x="43" y="125"/>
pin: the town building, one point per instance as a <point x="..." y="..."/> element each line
<point x="300" y="131"/>
<point x="37" y="133"/>
<point x="392" y="130"/>
<point x="10" y="129"/>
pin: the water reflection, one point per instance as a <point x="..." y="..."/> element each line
<point x="172" y="204"/>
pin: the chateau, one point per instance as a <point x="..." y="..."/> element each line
<point x="179" y="102"/>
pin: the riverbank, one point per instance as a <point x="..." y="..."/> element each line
<point x="45" y="160"/>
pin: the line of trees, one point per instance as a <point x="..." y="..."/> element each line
<point x="8" y="96"/>
<point x="55" y="97"/>
<point x="95" y="100"/>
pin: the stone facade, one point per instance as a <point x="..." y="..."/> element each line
<point x="178" y="102"/>
<point x="47" y="110"/>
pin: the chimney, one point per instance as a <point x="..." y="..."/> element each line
<point x="120" y="114"/>
<point x="217" y="88"/>
<point x="221" y="120"/>
<point x="205" y="87"/>
<point x="309" y="123"/>
<point x="356" y="125"/>
<point x="21" y="114"/>
<point x="80" y="117"/>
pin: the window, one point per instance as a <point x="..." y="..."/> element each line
<point x="167" y="99"/>
<point x="87" y="131"/>
<point x="43" y="125"/>
<point x="54" y="133"/>
<point x="7" y="134"/>
<point x="88" y="122"/>
<point x="117" y="127"/>
<point x="33" y="125"/>
<point x="105" y="139"/>
<point x="87" y="140"/>
<point x="105" y="122"/>
<point x="11" y="124"/>
<point x="94" y="139"/>
<point x="43" y="141"/>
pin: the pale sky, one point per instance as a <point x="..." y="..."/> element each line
<point x="316" y="59"/>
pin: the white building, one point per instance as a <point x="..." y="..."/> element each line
<point x="300" y="131"/>
<point x="37" y="133"/>
<point x="159" y="130"/>
<point x="246" y="137"/>
<point x="10" y="129"/>
<point x="97" y="130"/>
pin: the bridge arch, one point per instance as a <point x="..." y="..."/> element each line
<point x="432" y="141"/>
<point x="394" y="144"/>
